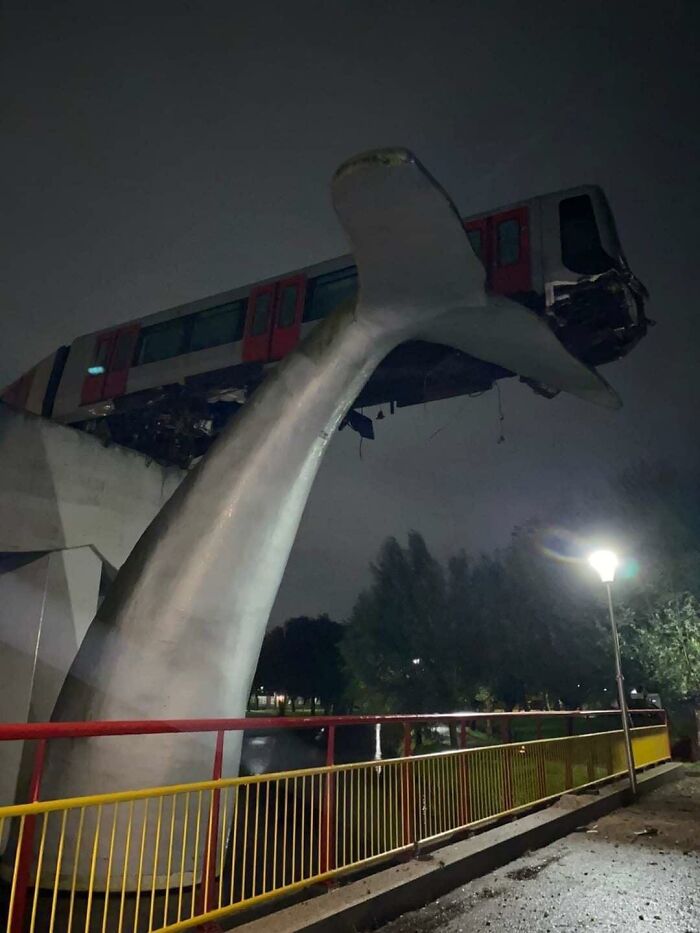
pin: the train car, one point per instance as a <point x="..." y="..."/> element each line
<point x="166" y="383"/>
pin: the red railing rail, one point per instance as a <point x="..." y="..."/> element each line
<point x="24" y="731"/>
<point x="43" y="732"/>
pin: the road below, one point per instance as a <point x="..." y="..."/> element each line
<point x="637" y="869"/>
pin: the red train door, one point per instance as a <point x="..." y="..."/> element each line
<point x="273" y="320"/>
<point x="258" y="324"/>
<point x="120" y="361"/>
<point x="510" y="252"/>
<point x="108" y="372"/>
<point x="289" y="307"/>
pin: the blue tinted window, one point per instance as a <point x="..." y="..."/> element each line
<point x="508" y="242"/>
<point x="216" y="326"/>
<point x="287" y="312"/>
<point x="327" y="291"/>
<point x="161" y="341"/>
<point x="261" y="314"/>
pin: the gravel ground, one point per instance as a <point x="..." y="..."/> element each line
<point x="635" y="870"/>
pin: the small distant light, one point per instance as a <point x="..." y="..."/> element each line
<point x="416" y="660"/>
<point x="96" y="370"/>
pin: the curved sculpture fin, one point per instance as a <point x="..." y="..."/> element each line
<point x="510" y="335"/>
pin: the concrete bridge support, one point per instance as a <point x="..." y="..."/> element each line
<point x="71" y="510"/>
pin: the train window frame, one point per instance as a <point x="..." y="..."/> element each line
<point x="154" y="329"/>
<point x="512" y="258"/>
<point x="287" y="310"/>
<point x="238" y="306"/>
<point x="575" y="214"/>
<point x="348" y="273"/>
<point x="261" y="297"/>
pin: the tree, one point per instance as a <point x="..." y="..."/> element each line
<point x="302" y="658"/>
<point x="405" y="641"/>
<point x="662" y="647"/>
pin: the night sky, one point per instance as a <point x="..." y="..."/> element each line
<point x="156" y="153"/>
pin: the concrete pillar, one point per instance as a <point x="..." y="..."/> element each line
<point x="47" y="602"/>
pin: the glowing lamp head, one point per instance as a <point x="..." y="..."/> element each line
<point x="96" y="370"/>
<point x="605" y="563"/>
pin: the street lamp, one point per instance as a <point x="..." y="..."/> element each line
<point x="605" y="563"/>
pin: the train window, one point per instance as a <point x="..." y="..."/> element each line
<point x="261" y="314"/>
<point x="287" y="306"/>
<point x="161" y="341"/>
<point x="327" y="291"/>
<point x="475" y="240"/>
<point x="216" y="326"/>
<point x="581" y="249"/>
<point x="508" y="242"/>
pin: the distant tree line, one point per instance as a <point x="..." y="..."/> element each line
<point x="525" y="626"/>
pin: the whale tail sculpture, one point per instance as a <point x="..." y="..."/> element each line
<point x="180" y="630"/>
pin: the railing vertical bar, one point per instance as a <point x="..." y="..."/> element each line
<point x="322" y="831"/>
<point x="372" y="812"/>
<point x="268" y="786"/>
<point x="93" y="864"/>
<point x="185" y="824"/>
<point x="336" y="831"/>
<point x="284" y="823"/>
<point x="568" y="772"/>
<point x="156" y="847"/>
<point x="222" y="849"/>
<point x="13" y="888"/>
<point x="344" y="811"/>
<point x="358" y="819"/>
<point x="23" y="859"/>
<point x="195" y="856"/>
<point x="37" y="879"/>
<point x="125" y="868"/>
<point x="234" y="835"/>
<point x="169" y="863"/>
<point x="140" y="870"/>
<point x="310" y="869"/>
<point x="294" y="835"/>
<point x="76" y="859"/>
<point x="328" y="847"/>
<point x="302" y="833"/>
<point x="407" y="796"/>
<point x="110" y="856"/>
<point x="278" y="787"/>
<point x="59" y="859"/>
<point x="385" y="805"/>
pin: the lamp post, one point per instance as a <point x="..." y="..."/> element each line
<point x="605" y="564"/>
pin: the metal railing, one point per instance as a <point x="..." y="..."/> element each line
<point x="175" y="857"/>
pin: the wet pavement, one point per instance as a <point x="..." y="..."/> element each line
<point x="637" y="869"/>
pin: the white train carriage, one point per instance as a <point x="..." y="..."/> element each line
<point x="166" y="383"/>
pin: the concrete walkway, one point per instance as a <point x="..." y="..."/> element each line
<point x="637" y="869"/>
